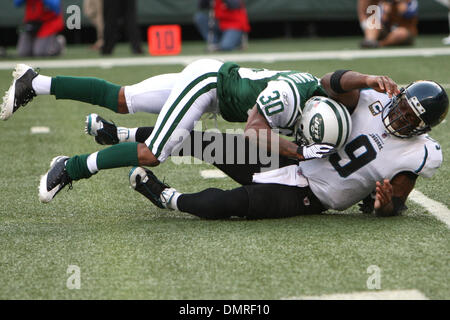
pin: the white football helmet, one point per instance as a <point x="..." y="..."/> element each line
<point x="324" y="120"/>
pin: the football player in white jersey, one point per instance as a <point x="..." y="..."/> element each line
<point x="387" y="150"/>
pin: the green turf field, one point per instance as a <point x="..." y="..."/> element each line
<point x="128" y="249"/>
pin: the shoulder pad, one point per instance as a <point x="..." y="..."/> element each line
<point x="432" y="158"/>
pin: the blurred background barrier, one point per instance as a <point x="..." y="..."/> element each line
<point x="182" y="11"/>
<point x="268" y="18"/>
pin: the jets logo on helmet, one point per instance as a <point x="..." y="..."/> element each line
<point x="316" y="128"/>
<point x="324" y="121"/>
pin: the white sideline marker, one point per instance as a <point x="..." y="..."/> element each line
<point x="212" y="174"/>
<point x="239" y="57"/>
<point x="437" y="209"/>
<point x="39" y="130"/>
<point x="368" y="295"/>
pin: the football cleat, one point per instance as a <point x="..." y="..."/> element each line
<point x="146" y="183"/>
<point x="54" y="180"/>
<point x="105" y="132"/>
<point x="20" y="92"/>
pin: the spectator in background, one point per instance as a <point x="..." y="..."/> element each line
<point x="39" y="34"/>
<point x="398" y="23"/>
<point x="223" y="24"/>
<point x="446" y="40"/>
<point x="93" y="9"/>
<point x="446" y="3"/>
<point x="113" y="12"/>
<point x="2" y="45"/>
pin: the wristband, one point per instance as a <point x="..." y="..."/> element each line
<point x="335" y="81"/>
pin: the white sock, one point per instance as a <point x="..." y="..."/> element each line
<point x="42" y="84"/>
<point x="173" y="202"/>
<point x="126" y="134"/>
<point x="169" y="198"/>
<point x="92" y="162"/>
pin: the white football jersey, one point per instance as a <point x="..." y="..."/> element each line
<point x="370" y="155"/>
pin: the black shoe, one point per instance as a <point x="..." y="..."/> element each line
<point x="54" y="180"/>
<point x="105" y="132"/>
<point x="20" y="92"/>
<point x="146" y="183"/>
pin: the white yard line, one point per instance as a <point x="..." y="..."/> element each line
<point x="239" y="57"/>
<point x="38" y="130"/>
<point x="368" y="295"/>
<point x="437" y="209"/>
<point x="212" y="174"/>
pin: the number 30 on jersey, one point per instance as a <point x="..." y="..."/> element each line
<point x="272" y="104"/>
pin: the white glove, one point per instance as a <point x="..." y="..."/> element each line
<point x="316" y="150"/>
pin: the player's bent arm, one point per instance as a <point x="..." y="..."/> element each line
<point x="344" y="86"/>
<point x="259" y="131"/>
<point x="391" y="195"/>
<point x="348" y="95"/>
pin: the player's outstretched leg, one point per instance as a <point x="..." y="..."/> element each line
<point x="20" y="92"/>
<point x="27" y="84"/>
<point x="146" y="183"/>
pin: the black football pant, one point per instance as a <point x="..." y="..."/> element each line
<point x="253" y="201"/>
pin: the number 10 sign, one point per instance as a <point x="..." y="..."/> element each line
<point x="164" y="40"/>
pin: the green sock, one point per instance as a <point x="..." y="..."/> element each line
<point x="91" y="90"/>
<point x="116" y="156"/>
<point x="119" y="155"/>
<point x="77" y="167"/>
